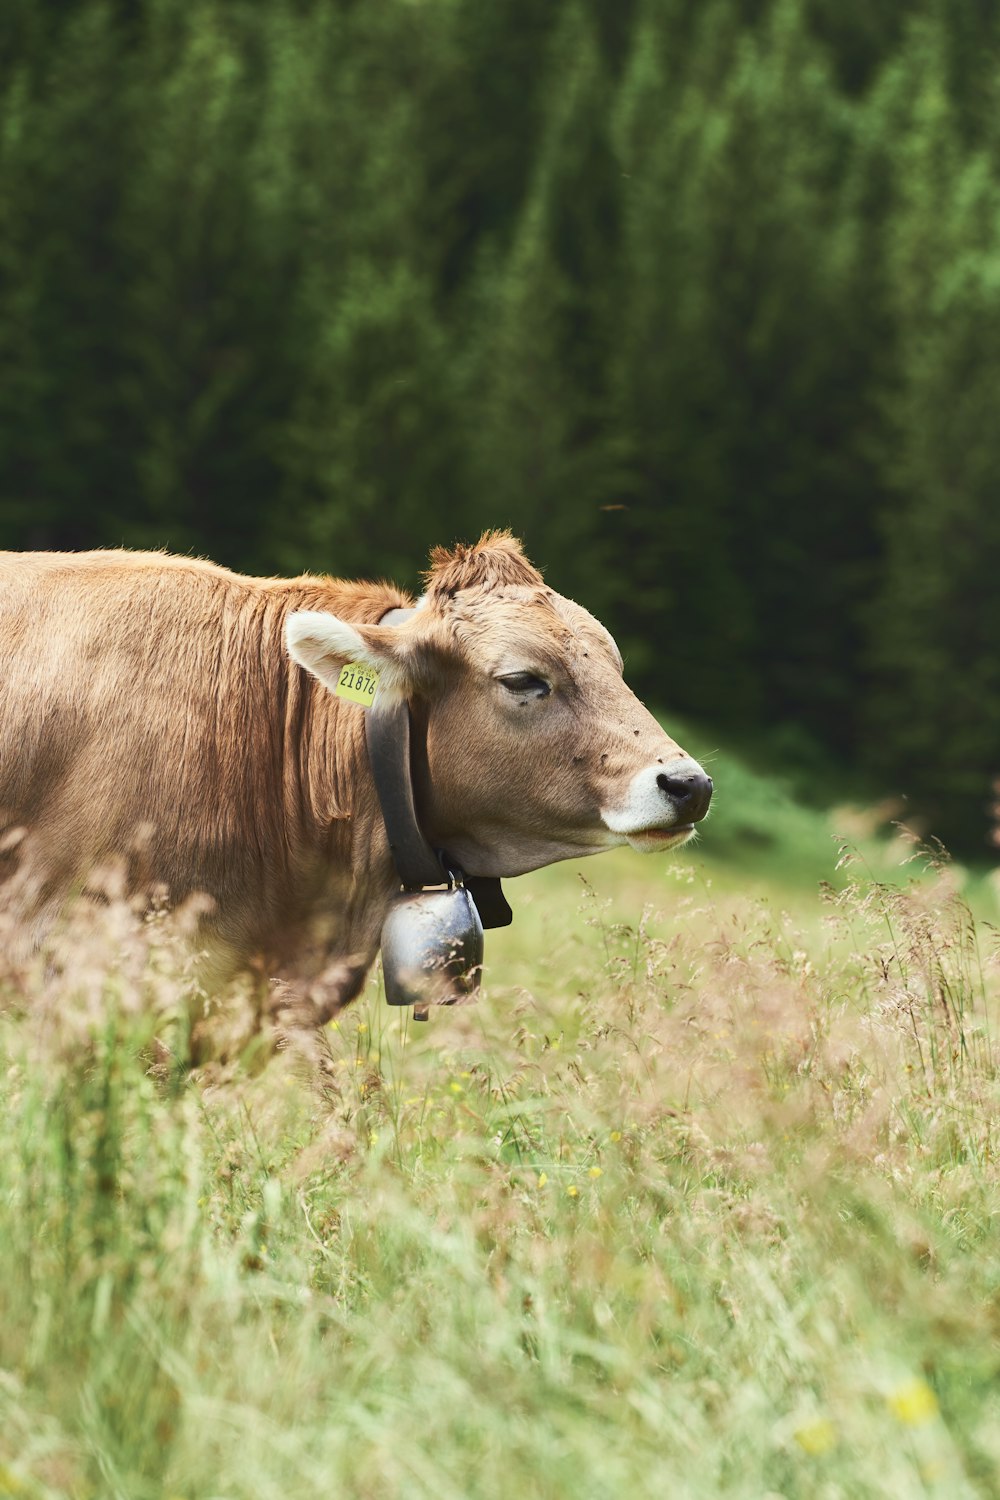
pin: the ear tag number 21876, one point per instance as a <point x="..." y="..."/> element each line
<point x="357" y="684"/>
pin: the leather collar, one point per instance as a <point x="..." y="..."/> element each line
<point x="389" y="731"/>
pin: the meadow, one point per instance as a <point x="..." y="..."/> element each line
<point x="700" y="1199"/>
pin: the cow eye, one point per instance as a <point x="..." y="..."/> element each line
<point x="525" y="682"/>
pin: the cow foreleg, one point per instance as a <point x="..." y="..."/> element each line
<point x="337" y="986"/>
<point x="298" y="1005"/>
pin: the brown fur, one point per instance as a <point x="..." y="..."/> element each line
<point x="149" y="712"/>
<point x="496" y="559"/>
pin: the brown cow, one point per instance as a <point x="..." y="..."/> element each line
<point x="149" y="706"/>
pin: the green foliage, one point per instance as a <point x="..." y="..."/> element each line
<point x="541" y="355"/>
<point x="938" y="711"/>
<point x="699" y="297"/>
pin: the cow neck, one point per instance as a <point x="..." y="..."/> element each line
<point x="389" y="730"/>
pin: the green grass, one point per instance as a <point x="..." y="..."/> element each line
<point x="701" y="1199"/>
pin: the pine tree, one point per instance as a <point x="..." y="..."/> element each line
<point x="742" y="365"/>
<point x="540" y="456"/>
<point x="935" y="714"/>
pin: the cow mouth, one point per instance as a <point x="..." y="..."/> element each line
<point x="649" y="840"/>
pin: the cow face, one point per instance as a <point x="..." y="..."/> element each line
<point x="533" y="748"/>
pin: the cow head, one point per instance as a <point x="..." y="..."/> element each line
<point x="533" y="749"/>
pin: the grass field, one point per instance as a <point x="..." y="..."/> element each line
<point x="701" y="1199"/>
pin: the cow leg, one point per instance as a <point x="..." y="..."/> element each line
<point x="337" y="986"/>
<point x="304" y="1005"/>
<point x="297" y="1006"/>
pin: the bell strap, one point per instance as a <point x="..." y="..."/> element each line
<point x="388" y="730"/>
<point x="388" y="733"/>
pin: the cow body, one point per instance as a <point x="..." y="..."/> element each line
<point x="166" y="713"/>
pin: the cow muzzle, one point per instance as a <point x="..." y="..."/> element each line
<point x="662" y="805"/>
<point x="690" y="794"/>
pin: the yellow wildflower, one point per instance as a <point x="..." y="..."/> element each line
<point x="572" y="1191"/>
<point x="816" y="1437"/>
<point x="913" y="1403"/>
<point x="543" y="1178"/>
<point x="595" y="1172"/>
<point x="616" y="1136"/>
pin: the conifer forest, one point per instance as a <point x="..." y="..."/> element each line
<point x="700" y="297"/>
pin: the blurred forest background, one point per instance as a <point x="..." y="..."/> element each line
<point x="701" y="297"/>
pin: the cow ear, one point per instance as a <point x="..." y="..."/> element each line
<point x="322" y="644"/>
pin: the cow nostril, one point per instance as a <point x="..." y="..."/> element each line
<point x="690" y="795"/>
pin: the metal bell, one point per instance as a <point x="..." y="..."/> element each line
<point x="432" y="949"/>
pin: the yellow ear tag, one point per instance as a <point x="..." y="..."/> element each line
<point x="357" y="684"/>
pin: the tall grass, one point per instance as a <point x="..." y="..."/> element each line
<point x="708" y="1209"/>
